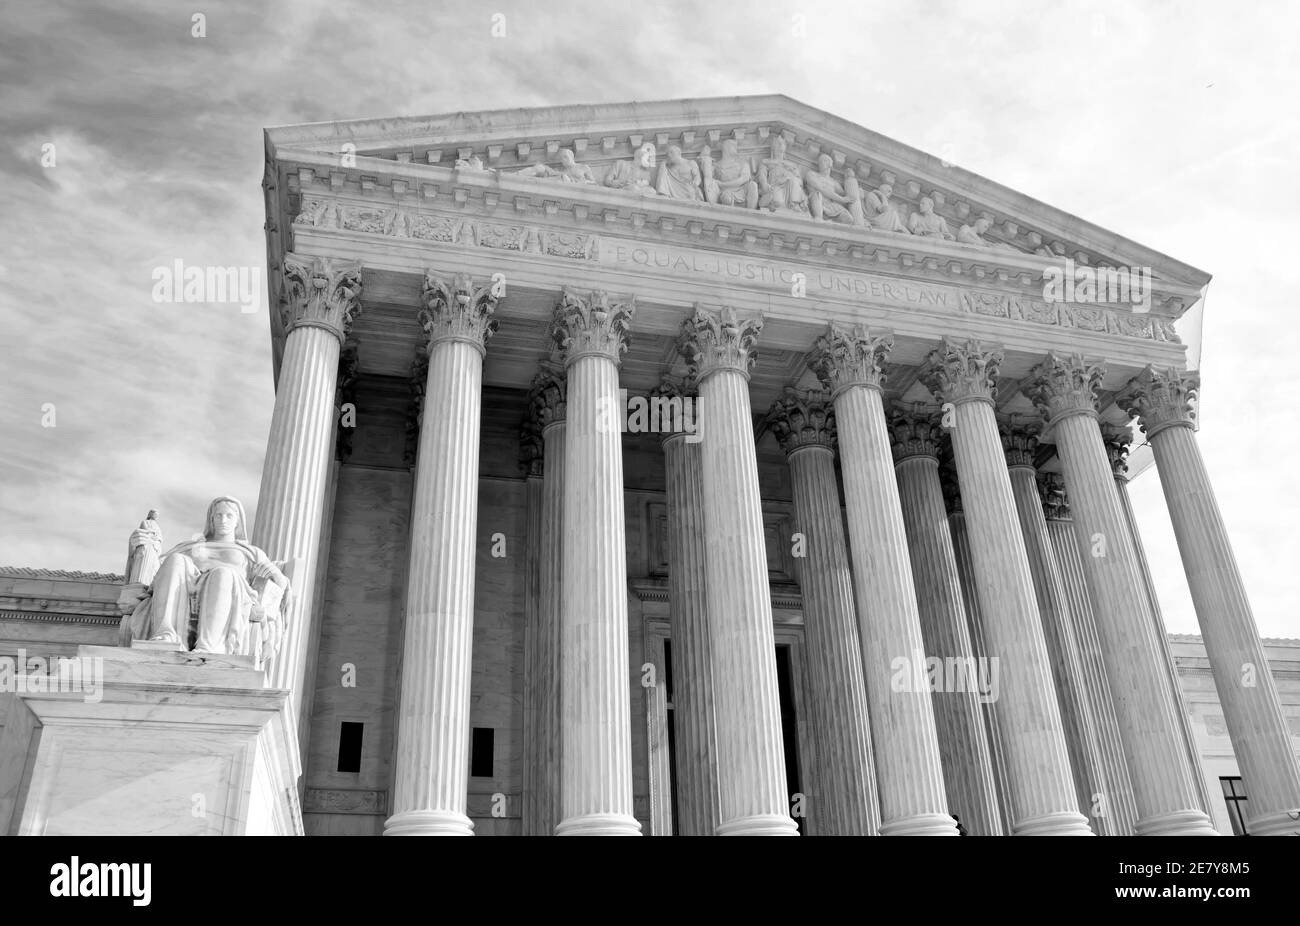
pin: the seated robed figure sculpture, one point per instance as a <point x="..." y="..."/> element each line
<point x="208" y="593"/>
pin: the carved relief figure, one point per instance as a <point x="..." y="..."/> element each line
<point x="882" y="214"/>
<point x="573" y="172"/>
<point x="636" y="175"/>
<point x="827" y="199"/>
<point x="927" y="222"/>
<point x="473" y="162"/>
<point x="678" y="177"/>
<point x="143" y="550"/>
<point x="729" y="181"/>
<point x="227" y="581"/>
<point x="779" y="185"/>
<point x="974" y="234"/>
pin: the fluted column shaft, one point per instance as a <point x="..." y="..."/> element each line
<point x="321" y="298"/>
<point x="980" y="647"/>
<point x="1166" y="653"/>
<point x="751" y="757"/>
<point x="698" y="807"/>
<point x="846" y="803"/>
<point x="1158" y="767"/>
<point x="905" y="741"/>
<point x="967" y="760"/>
<point x="531" y="772"/>
<point x="1043" y="796"/>
<point x="1117" y="807"/>
<point x="1063" y="650"/>
<point x="430" y="790"/>
<point x="550" y="607"/>
<point x="1247" y="692"/>
<point x="595" y="701"/>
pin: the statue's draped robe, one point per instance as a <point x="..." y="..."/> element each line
<point x="215" y="575"/>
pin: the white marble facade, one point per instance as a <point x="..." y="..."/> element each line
<point x="554" y="605"/>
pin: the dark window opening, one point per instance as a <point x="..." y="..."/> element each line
<point x="480" y="753"/>
<point x="350" y="746"/>
<point x="1234" y="795"/>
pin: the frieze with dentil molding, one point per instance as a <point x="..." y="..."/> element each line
<point x="397" y="222"/>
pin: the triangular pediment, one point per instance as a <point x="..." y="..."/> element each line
<point x="505" y="147"/>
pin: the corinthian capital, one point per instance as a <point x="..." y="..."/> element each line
<point x="1161" y="399"/>
<point x="961" y="372"/>
<point x="802" y="419"/>
<point x="711" y="343"/>
<point x="458" y="311"/>
<point x="915" y="431"/>
<point x="1117" y="441"/>
<point x="1061" y="386"/>
<point x="1019" y="442"/>
<point x="548" y="396"/>
<point x="1051" y="491"/>
<point x="844" y="357"/>
<point x="587" y="325"/>
<point x="320" y="293"/>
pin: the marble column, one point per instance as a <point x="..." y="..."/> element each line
<point x="432" y="762"/>
<point x="321" y="297"/>
<point x="531" y="457"/>
<point x="1163" y="787"/>
<point x="804" y="426"/>
<point x="1117" y="440"/>
<point x="1117" y="813"/>
<point x="595" y="698"/>
<point x="1163" y="401"/>
<point x="963" y="743"/>
<point x="909" y="770"/>
<point x="699" y="810"/>
<point x="975" y="621"/>
<point x="1020" y="444"/>
<point x="751" y="760"/>
<point x="547" y="403"/>
<point x="1043" y="797"/>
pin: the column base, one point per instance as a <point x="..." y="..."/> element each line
<point x="599" y="824"/>
<point x="1065" y="823"/>
<point x="925" y="824"/>
<point x="1178" y="823"/>
<point x="762" y="824"/>
<point x="1278" y="823"/>
<point x="428" y="823"/>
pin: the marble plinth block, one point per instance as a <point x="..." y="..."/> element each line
<point x="167" y="744"/>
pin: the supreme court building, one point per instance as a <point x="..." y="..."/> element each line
<point x="719" y="466"/>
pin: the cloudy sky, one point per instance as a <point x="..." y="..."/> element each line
<point x="1173" y="123"/>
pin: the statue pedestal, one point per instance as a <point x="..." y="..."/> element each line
<point x="151" y="741"/>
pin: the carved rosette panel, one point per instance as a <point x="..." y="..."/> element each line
<point x="802" y="419"/>
<point x="1161" y="398"/>
<point x="711" y="343"/>
<point x="1117" y="441"/>
<point x="1019" y="443"/>
<point x="915" y="431"/>
<point x="322" y="293"/>
<point x="844" y="357"/>
<point x="592" y="324"/>
<point x="1051" y="490"/>
<point x="1065" y="386"/>
<point x="962" y="372"/>
<point x="458" y="310"/>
